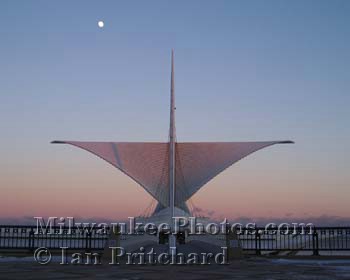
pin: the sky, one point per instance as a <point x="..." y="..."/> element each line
<point x="244" y="71"/>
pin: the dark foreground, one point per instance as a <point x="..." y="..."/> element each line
<point x="248" y="268"/>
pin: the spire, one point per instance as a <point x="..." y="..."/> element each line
<point x="172" y="100"/>
<point x="172" y="161"/>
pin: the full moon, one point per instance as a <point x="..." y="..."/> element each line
<point x="100" y="24"/>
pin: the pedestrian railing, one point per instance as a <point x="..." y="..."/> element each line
<point x="255" y="240"/>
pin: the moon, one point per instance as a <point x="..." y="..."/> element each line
<point x="101" y="24"/>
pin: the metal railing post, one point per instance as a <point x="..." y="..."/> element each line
<point x="88" y="241"/>
<point x="315" y="243"/>
<point x="31" y="239"/>
<point x="257" y="243"/>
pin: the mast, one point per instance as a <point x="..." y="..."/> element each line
<point x="172" y="147"/>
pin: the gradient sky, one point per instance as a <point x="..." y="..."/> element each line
<point x="244" y="70"/>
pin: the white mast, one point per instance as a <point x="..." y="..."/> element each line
<point x="172" y="147"/>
